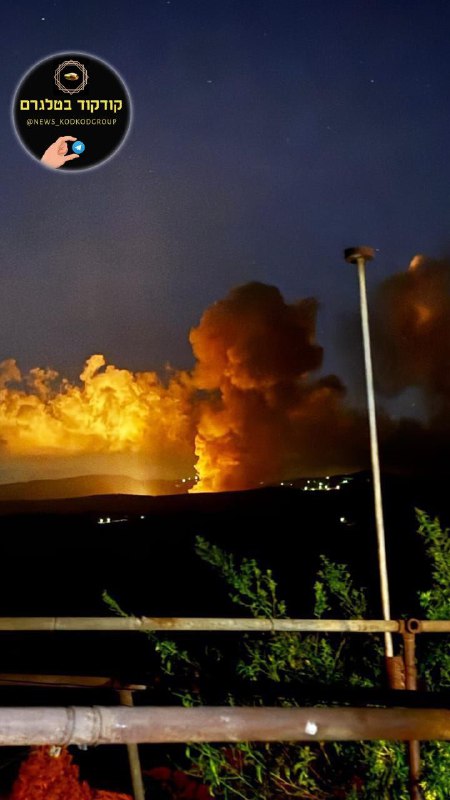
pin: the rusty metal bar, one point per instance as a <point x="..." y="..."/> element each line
<point x="317" y="694"/>
<point x="410" y="661"/>
<point x="66" y="682"/>
<point x="395" y="669"/>
<point x="409" y="654"/>
<point x="126" y="700"/>
<point x="193" y="624"/>
<point x="434" y="626"/>
<point x="220" y="624"/>
<point x="119" y="725"/>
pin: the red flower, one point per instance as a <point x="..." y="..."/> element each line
<point x="49" y="774"/>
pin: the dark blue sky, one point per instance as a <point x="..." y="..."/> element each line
<point x="267" y="136"/>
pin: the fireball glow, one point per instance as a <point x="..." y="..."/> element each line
<point x="249" y="413"/>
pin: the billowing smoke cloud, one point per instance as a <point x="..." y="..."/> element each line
<point x="112" y="411"/>
<point x="411" y="323"/>
<point x="262" y="417"/>
<point x="252" y="411"/>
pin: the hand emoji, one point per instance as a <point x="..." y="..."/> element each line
<point x="55" y="155"/>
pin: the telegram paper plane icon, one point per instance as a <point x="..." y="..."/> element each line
<point x="78" y="147"/>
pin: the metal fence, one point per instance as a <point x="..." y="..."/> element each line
<point x="162" y="724"/>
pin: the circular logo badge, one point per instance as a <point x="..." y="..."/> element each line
<point x="72" y="112"/>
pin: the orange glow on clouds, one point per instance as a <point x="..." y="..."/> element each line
<point x="248" y="413"/>
<point x="111" y="411"/>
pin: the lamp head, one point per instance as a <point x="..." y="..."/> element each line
<point x="353" y="254"/>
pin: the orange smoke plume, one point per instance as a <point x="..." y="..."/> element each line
<point x="250" y="405"/>
<point x="411" y="327"/>
<point x="250" y="412"/>
<point x="262" y="417"/>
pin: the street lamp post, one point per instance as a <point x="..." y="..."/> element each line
<point x="359" y="256"/>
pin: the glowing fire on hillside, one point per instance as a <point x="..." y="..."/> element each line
<point x="248" y="413"/>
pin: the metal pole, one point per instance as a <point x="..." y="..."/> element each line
<point x="409" y="645"/>
<point x="222" y="624"/>
<point x="359" y="256"/>
<point x="156" y="725"/>
<point x="126" y="699"/>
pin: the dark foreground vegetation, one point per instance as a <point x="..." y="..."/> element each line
<point x="211" y="555"/>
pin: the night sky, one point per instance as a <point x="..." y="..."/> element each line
<point x="267" y="136"/>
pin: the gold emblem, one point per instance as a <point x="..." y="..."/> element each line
<point x="79" y="79"/>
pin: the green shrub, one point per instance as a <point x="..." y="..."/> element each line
<point x="287" y="661"/>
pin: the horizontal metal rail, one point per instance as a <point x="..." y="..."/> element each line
<point x="156" y="725"/>
<point x="316" y="694"/>
<point x="67" y="682"/>
<point x="232" y="624"/>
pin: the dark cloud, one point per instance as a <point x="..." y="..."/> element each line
<point x="411" y="324"/>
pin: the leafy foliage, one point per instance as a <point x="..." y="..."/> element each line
<point x="334" y="590"/>
<point x="250" y="587"/>
<point x="434" y="665"/>
<point x="278" y="770"/>
<point x="434" y="661"/>
<point x="170" y="654"/>
<point x="113" y="605"/>
<point x="436" y="601"/>
<point x="287" y="661"/>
